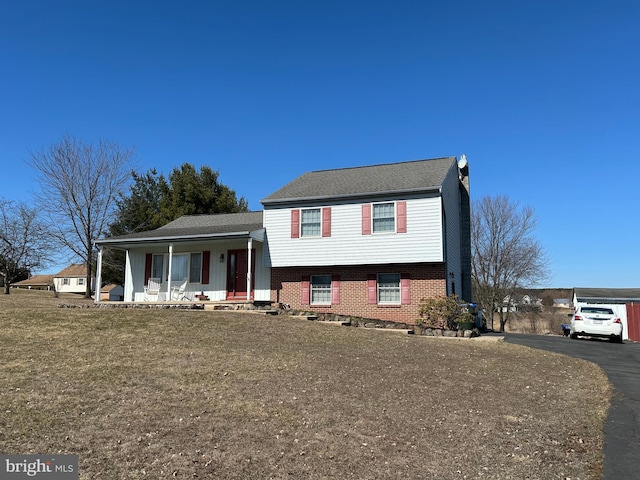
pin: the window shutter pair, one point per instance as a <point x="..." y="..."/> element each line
<point x="326" y="222"/>
<point x="405" y="289"/>
<point x="401" y="218"/>
<point x="306" y="290"/>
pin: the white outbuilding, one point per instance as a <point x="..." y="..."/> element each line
<point x="625" y="302"/>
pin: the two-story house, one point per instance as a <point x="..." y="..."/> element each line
<point x="367" y="241"/>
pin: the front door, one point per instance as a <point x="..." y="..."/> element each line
<point x="237" y="274"/>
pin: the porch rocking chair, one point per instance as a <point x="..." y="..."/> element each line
<point x="178" y="293"/>
<point x="152" y="290"/>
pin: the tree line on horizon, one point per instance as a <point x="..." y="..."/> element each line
<point x="91" y="190"/>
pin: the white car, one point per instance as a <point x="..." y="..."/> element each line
<point x="596" y="322"/>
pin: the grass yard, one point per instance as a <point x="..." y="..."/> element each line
<point x="160" y="393"/>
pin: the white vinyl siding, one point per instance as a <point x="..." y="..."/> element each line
<point x="347" y="246"/>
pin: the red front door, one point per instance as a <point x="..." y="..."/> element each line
<point x="237" y="274"/>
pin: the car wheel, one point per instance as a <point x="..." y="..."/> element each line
<point x="573" y="335"/>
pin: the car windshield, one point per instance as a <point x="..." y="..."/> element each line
<point x="606" y="311"/>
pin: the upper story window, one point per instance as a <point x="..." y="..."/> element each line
<point x="387" y="217"/>
<point x="384" y="218"/>
<point x="310" y="222"/>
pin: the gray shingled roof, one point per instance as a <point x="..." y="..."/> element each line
<point x="197" y="225"/>
<point x="403" y="177"/>
<point x="601" y="294"/>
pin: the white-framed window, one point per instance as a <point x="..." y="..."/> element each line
<point x="157" y="267"/>
<point x="388" y="288"/>
<point x="310" y="222"/>
<point x="384" y="217"/>
<point x="81" y="281"/>
<point x="320" y="286"/>
<point x="66" y="281"/>
<point x="183" y="265"/>
<point x="195" y="268"/>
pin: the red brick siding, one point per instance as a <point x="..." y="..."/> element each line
<point x="427" y="280"/>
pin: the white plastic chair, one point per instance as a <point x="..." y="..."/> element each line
<point x="152" y="290"/>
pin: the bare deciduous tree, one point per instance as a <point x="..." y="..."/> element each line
<point x="506" y="257"/>
<point x="79" y="184"/>
<point x="23" y="241"/>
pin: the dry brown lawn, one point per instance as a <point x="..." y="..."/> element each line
<point x="165" y="393"/>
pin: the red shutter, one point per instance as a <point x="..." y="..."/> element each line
<point x="206" y="259"/>
<point x="366" y="219"/>
<point x="401" y="213"/>
<point x="405" y="289"/>
<point x="335" y="290"/>
<point x="295" y="223"/>
<point x="147" y="267"/>
<point x="326" y="222"/>
<point x="372" y="294"/>
<point x="305" y="291"/>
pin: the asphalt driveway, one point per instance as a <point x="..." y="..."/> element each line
<point x="621" y="363"/>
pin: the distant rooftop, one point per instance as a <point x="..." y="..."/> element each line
<point x="603" y="294"/>
<point x="73" y="270"/>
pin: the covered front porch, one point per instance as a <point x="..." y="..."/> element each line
<point x="212" y="262"/>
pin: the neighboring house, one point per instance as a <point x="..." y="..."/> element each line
<point x="561" y="303"/>
<point x="72" y="279"/>
<point x="523" y="303"/>
<point x="625" y="302"/>
<point x="36" y="282"/>
<point x="367" y="241"/>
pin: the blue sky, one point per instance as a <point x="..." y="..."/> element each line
<point x="541" y="96"/>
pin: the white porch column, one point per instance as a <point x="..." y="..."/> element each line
<point x="249" y="245"/>
<point x="98" y="286"/>
<point x="169" y="279"/>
